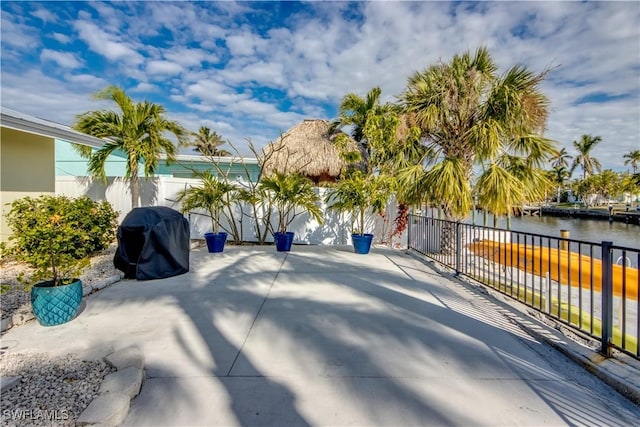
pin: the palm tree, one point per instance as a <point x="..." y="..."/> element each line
<point x="561" y="159"/>
<point x="584" y="159"/>
<point x="469" y="115"/>
<point x="387" y="138"/>
<point x="355" y="111"/>
<point x="560" y="175"/>
<point x="212" y="195"/>
<point x="633" y="158"/>
<point x="292" y="195"/>
<point x="207" y="142"/>
<point x="138" y="130"/>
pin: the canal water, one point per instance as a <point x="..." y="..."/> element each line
<point x="590" y="230"/>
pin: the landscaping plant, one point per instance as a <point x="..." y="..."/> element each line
<point x="57" y="235"/>
<point x="212" y="195"/>
<point x="292" y="195"/>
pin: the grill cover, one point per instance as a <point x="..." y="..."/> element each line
<point x="153" y="243"/>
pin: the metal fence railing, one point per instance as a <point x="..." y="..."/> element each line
<point x="591" y="287"/>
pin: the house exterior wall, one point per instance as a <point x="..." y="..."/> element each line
<point x="26" y="169"/>
<point x="70" y="163"/>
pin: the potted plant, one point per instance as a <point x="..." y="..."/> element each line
<point x="292" y="195"/>
<point x="356" y="194"/>
<point x="56" y="236"/>
<point x="212" y="195"/>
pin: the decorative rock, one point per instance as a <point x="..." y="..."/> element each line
<point x="108" y="409"/>
<point x="130" y="356"/>
<point x="86" y="289"/>
<point x="22" y="317"/>
<point x="95" y="352"/>
<point x="6" y="324"/>
<point x="7" y="382"/>
<point x="127" y="381"/>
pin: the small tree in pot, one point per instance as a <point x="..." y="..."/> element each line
<point x="356" y="194"/>
<point x="212" y="195"/>
<point x="56" y="236"/>
<point x="292" y="195"/>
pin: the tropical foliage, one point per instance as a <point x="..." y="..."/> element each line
<point x="213" y="195"/>
<point x="561" y="159"/>
<point x="632" y="158"/>
<point x="470" y="116"/>
<point x="292" y="195"/>
<point x="206" y="142"/>
<point x="357" y="194"/>
<point x="138" y="130"/>
<point x="56" y="235"/>
<point x="584" y="158"/>
<point x="389" y="143"/>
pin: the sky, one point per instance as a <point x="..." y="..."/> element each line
<point x="252" y="70"/>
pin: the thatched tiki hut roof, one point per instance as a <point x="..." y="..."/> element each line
<point x="308" y="148"/>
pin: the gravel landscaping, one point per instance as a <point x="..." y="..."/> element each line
<point x="48" y="391"/>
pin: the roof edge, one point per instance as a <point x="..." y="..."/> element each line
<point x="12" y="119"/>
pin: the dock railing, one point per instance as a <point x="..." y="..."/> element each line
<point x="590" y="287"/>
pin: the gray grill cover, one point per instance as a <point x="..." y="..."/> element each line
<point x="153" y="243"/>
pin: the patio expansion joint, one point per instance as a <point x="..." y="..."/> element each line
<point x="255" y="319"/>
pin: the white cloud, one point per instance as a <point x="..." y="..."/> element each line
<point x="188" y="57"/>
<point x="44" y="15"/>
<point x="145" y="87"/>
<point x="40" y="95"/>
<point x="106" y="44"/>
<point x="63" y="59"/>
<point x="62" y="38"/>
<point x="87" y="81"/>
<point x="163" y="67"/>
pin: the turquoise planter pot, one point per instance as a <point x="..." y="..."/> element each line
<point x="55" y="305"/>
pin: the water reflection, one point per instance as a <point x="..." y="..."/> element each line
<point x="619" y="233"/>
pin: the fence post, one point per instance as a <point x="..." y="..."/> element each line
<point x="410" y="220"/>
<point x="607" y="299"/>
<point x="458" y="248"/>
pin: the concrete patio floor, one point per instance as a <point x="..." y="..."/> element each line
<point x="322" y="336"/>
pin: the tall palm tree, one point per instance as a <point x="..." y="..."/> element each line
<point x="138" y="130"/>
<point x="633" y="158"/>
<point x="471" y="116"/>
<point x="584" y="159"/>
<point x="561" y="159"/>
<point x="387" y="137"/>
<point x="207" y="142"/>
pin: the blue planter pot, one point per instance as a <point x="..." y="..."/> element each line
<point x="361" y="243"/>
<point x="215" y="241"/>
<point x="55" y="305"/>
<point x="283" y="241"/>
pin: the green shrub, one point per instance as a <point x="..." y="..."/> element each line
<point x="56" y="235"/>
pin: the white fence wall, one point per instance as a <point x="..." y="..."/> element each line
<point x="162" y="191"/>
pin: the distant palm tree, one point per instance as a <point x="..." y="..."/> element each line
<point x="633" y="158"/>
<point x="560" y="174"/>
<point x="207" y="142"/>
<point x="561" y="159"/>
<point x="138" y="130"/>
<point x="584" y="159"/>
